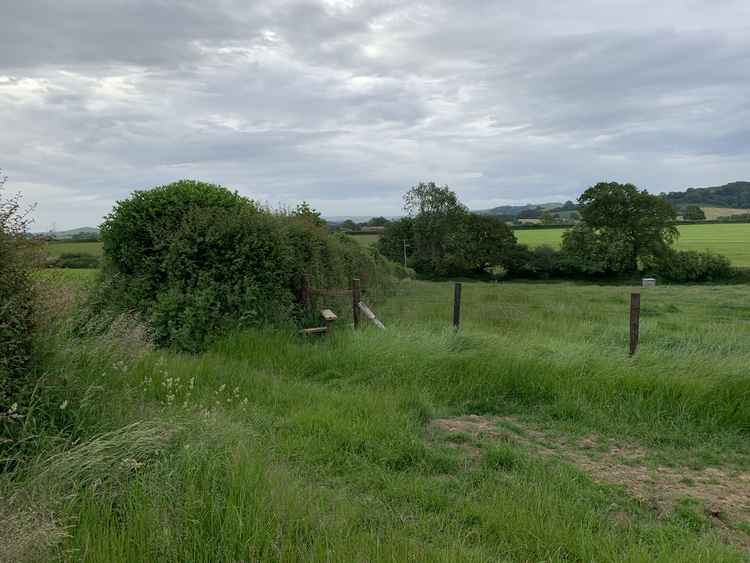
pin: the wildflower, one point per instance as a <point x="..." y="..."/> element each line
<point x="63" y="405"/>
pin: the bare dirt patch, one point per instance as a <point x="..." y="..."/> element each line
<point x="724" y="493"/>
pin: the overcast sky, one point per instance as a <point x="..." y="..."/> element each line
<point x="347" y="104"/>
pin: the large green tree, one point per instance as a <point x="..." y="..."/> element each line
<point x="442" y="238"/>
<point x="480" y="243"/>
<point x="437" y="215"/>
<point x="694" y="213"/>
<point x="620" y="226"/>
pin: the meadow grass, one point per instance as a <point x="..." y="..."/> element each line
<point x="731" y="240"/>
<point x="272" y="447"/>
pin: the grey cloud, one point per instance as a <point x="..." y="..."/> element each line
<point x="348" y="103"/>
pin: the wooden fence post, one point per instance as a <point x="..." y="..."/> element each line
<point x="456" y="305"/>
<point x="356" y="298"/>
<point x="635" y="319"/>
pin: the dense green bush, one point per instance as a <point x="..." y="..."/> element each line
<point x="595" y="253"/>
<point x="76" y="260"/>
<point x="194" y="260"/>
<point x="17" y="253"/>
<point x="623" y="232"/>
<point x="443" y="238"/>
<point x="690" y="266"/>
<point x="542" y="262"/>
<point x="620" y="227"/>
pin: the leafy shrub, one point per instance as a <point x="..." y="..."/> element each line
<point x="693" y="213"/>
<point x="75" y="260"/>
<point x="194" y="260"/>
<point x="593" y="252"/>
<point x="17" y="256"/>
<point x="691" y="266"/>
<point x="620" y="227"/>
<point x="138" y="232"/>
<point x="542" y="262"/>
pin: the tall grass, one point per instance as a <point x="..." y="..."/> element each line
<point x="270" y="447"/>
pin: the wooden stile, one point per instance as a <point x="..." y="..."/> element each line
<point x="329" y="317"/>
<point x="370" y="315"/>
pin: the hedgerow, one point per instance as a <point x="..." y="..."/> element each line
<point x="194" y="260"/>
<point x="17" y="253"/>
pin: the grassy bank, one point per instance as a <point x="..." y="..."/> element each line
<point x="270" y="447"/>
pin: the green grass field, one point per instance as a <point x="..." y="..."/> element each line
<point x="529" y="435"/>
<point x="731" y="240"/>
<point x="55" y="249"/>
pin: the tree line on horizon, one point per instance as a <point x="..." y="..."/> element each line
<point x="622" y="231"/>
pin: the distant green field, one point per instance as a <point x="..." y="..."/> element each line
<point x="366" y="240"/>
<point x="731" y="240"/>
<point x="56" y="249"/>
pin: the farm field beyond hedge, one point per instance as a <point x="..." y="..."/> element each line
<point x="528" y="435"/>
<point x="731" y="240"/>
<point x="55" y="249"/>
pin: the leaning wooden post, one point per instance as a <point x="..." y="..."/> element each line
<point x="635" y="319"/>
<point x="456" y="305"/>
<point x="356" y="298"/>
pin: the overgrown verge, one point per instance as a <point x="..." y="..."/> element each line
<point x="194" y="260"/>
<point x="18" y="255"/>
<point x="272" y="447"/>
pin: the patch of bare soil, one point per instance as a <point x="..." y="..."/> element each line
<point x="724" y="493"/>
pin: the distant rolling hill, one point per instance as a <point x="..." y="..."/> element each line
<point x="73" y="233"/>
<point x="516" y="210"/>
<point x="717" y="201"/>
<point x="734" y="195"/>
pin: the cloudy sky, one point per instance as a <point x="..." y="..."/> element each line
<point x="347" y="103"/>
